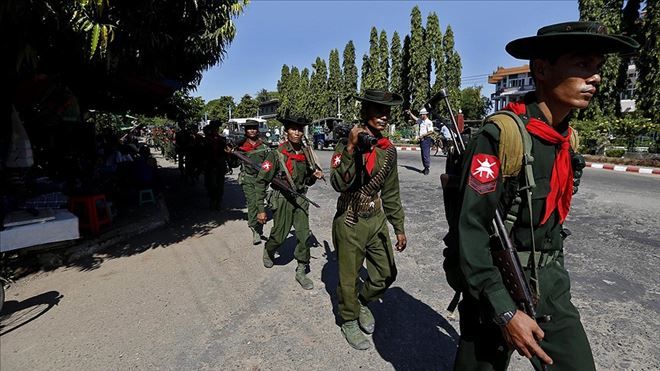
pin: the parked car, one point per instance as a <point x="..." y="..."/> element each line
<point x="328" y="131"/>
<point x="236" y="128"/>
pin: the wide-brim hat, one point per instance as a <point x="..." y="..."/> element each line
<point x="251" y="123"/>
<point x="289" y="121"/>
<point x="383" y="97"/>
<point x="570" y="36"/>
<point x="423" y="111"/>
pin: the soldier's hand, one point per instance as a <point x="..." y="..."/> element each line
<point x="401" y="242"/>
<point x="262" y="218"/>
<point x="318" y="174"/>
<point x="523" y="334"/>
<point x="353" y="137"/>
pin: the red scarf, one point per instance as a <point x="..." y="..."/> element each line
<point x="561" y="182"/>
<point x="383" y="143"/>
<point x="248" y="147"/>
<point x="292" y="157"/>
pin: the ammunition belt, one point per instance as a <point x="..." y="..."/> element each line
<point x="365" y="202"/>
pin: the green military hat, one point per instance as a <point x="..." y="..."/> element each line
<point x="290" y="121"/>
<point x="251" y="123"/>
<point x="383" y="97"/>
<point x="570" y="36"/>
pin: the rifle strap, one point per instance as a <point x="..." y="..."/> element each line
<point x="289" y="179"/>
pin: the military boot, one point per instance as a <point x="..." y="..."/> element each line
<point x="354" y="336"/>
<point x="301" y="277"/>
<point x="268" y="259"/>
<point x="256" y="237"/>
<point x="366" y="320"/>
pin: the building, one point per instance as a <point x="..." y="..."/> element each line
<point x="511" y="84"/>
<point x="268" y="109"/>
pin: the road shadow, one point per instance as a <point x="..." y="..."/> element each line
<point x="411" y="335"/>
<point x="16" y="314"/>
<point x="412" y="168"/>
<point x="330" y="278"/>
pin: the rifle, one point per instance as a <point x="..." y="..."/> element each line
<point x="276" y="182"/>
<point x="506" y="258"/>
<point x="312" y="158"/>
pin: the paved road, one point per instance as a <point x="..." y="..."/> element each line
<point x="194" y="294"/>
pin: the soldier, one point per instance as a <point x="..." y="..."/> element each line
<point x="565" y="61"/>
<point x="255" y="149"/>
<point x="364" y="171"/>
<point x="288" y="159"/>
<point x="215" y="164"/>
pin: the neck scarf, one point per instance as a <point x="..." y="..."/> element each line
<point x="248" y="147"/>
<point x="561" y="182"/>
<point x="290" y="157"/>
<point x="383" y="143"/>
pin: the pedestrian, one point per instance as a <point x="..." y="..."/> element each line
<point x="445" y="137"/>
<point x="254" y="148"/>
<point x="215" y="164"/>
<point x="424" y="136"/>
<point x="366" y="175"/>
<point x="565" y="61"/>
<point x="289" y="163"/>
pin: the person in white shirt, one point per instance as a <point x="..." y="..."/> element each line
<point x="424" y="136"/>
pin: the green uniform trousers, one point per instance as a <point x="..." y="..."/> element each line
<point x="214" y="180"/>
<point x="368" y="239"/>
<point x="251" y="202"/>
<point x="482" y="346"/>
<point x="289" y="212"/>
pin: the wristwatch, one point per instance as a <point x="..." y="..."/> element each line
<point x="504" y="318"/>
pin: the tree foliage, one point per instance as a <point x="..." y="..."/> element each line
<point x="395" y="80"/>
<point x="104" y="49"/>
<point x="452" y="69"/>
<point x="334" y="82"/>
<point x="218" y="109"/>
<point x="434" y="43"/>
<point x="365" y="76"/>
<point x="383" y="76"/>
<point x="349" y="82"/>
<point x="419" y="61"/>
<point x="247" y="107"/>
<point x="474" y="105"/>
<point x="284" y="88"/>
<point x="186" y="109"/>
<point x="318" y="91"/>
<point x="648" y="63"/>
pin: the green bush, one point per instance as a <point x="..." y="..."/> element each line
<point x="615" y="152"/>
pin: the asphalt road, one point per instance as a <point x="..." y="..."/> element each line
<point x="194" y="295"/>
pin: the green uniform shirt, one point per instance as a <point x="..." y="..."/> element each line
<point x="349" y="174"/>
<point x="478" y="210"/>
<point x="272" y="166"/>
<point x="257" y="155"/>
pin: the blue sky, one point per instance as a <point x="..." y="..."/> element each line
<point x="271" y="33"/>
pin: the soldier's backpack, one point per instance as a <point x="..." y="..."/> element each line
<point x="514" y="153"/>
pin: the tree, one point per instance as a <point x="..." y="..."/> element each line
<point x="334" y="82"/>
<point x="474" y="105"/>
<point x="434" y="43"/>
<point x="365" y="78"/>
<point x="374" y="75"/>
<point x="349" y="82"/>
<point x="395" y="81"/>
<point x="263" y="95"/>
<point x="452" y="69"/>
<point x="247" y="107"/>
<point x="318" y="91"/>
<point x="302" y="101"/>
<point x="110" y="52"/>
<point x="285" y="91"/>
<point x="218" y="109"/>
<point x="405" y="72"/>
<point x="185" y="109"/>
<point x="648" y="94"/>
<point x="607" y="101"/>
<point x="419" y="61"/>
<point x="384" y="68"/>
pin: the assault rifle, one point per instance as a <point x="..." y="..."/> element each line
<point x="312" y="158"/>
<point x="277" y="182"/>
<point x="505" y="257"/>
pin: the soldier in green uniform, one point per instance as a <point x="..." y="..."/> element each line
<point x="289" y="162"/>
<point x="364" y="171"/>
<point x="215" y="164"/>
<point x="565" y="61"/>
<point x="254" y="148"/>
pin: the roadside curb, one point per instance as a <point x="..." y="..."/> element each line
<point x="407" y="148"/>
<point x="624" y="168"/>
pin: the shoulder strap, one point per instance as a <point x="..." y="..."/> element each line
<point x="574" y="140"/>
<point x="280" y="156"/>
<point x="515" y="142"/>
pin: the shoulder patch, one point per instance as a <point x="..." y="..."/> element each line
<point x="484" y="171"/>
<point x="266" y="165"/>
<point x="336" y="160"/>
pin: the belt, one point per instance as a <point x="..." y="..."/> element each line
<point x="542" y="258"/>
<point x="368" y="209"/>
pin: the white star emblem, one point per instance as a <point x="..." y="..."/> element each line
<point x="484" y="169"/>
<point x="336" y="160"/>
<point x="266" y="166"/>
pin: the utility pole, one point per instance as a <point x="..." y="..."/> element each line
<point x="338" y="107"/>
<point x="229" y="106"/>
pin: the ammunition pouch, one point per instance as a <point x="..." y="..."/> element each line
<point x="357" y="205"/>
<point x="542" y="258"/>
